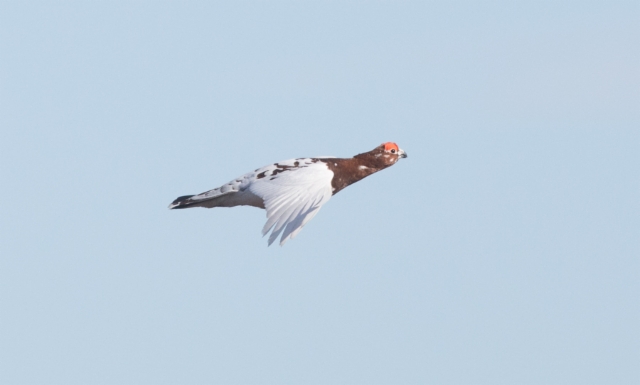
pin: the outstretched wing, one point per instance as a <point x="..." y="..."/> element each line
<point x="293" y="191"/>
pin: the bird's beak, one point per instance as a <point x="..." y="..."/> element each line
<point x="402" y="153"/>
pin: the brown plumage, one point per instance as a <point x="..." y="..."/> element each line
<point x="350" y="170"/>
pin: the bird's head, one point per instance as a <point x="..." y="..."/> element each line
<point x="389" y="153"/>
<point x="392" y="149"/>
<point x="385" y="155"/>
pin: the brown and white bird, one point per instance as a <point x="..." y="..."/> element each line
<point x="293" y="191"/>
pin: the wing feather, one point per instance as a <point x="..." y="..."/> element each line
<point x="293" y="197"/>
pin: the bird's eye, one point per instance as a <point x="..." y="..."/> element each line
<point x="393" y="151"/>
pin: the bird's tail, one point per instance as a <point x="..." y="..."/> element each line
<point x="183" y="202"/>
<point x="212" y="198"/>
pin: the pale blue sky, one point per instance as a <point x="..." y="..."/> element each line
<point x="504" y="250"/>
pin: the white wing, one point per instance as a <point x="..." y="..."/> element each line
<point x="292" y="195"/>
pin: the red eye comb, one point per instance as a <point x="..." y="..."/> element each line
<point x="390" y="146"/>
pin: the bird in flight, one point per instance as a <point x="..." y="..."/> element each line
<point x="293" y="191"/>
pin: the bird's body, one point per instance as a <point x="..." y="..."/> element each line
<point x="293" y="191"/>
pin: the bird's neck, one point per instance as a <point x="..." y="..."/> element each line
<point x="351" y="170"/>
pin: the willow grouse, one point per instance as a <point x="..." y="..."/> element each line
<point x="293" y="191"/>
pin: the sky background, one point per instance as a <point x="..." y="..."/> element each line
<point x="504" y="250"/>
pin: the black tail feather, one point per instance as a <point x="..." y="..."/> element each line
<point x="181" y="202"/>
